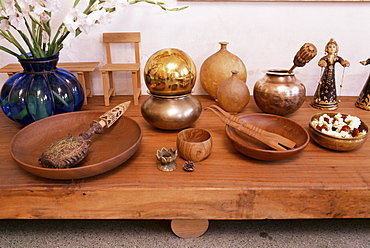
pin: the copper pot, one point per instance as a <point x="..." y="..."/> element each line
<point x="279" y="92"/>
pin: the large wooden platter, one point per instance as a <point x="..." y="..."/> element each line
<point x="108" y="150"/>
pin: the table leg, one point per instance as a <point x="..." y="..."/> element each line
<point x="88" y="84"/>
<point x="189" y="229"/>
<point x="81" y="79"/>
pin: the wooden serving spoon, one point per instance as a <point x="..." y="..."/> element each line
<point x="273" y="140"/>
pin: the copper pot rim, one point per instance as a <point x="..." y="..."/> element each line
<point x="279" y="72"/>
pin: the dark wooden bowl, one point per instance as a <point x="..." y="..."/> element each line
<point x="108" y="150"/>
<point x="272" y="123"/>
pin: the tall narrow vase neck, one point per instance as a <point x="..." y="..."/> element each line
<point x="223" y="45"/>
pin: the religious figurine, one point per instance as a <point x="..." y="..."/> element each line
<point x="363" y="100"/>
<point x="325" y="97"/>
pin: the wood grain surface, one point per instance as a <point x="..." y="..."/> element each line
<point x="194" y="144"/>
<point x="317" y="183"/>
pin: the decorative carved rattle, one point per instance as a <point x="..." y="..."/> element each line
<point x="305" y="54"/>
<point x="69" y="151"/>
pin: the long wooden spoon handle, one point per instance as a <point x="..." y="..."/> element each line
<point x="284" y="141"/>
<point x="264" y="139"/>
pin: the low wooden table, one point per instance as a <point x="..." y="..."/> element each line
<point x="318" y="183"/>
<point x="82" y="69"/>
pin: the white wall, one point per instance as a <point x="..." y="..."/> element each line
<point x="265" y="35"/>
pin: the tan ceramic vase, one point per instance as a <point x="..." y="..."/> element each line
<point x="279" y="92"/>
<point x="216" y="69"/>
<point x="233" y="94"/>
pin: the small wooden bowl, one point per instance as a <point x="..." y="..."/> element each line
<point x="335" y="143"/>
<point x="108" y="150"/>
<point x="194" y="144"/>
<point x="272" y="123"/>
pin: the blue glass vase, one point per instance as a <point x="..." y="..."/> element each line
<point x="41" y="90"/>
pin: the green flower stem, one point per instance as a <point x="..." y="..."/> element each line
<point x="160" y="4"/>
<point x="9" y="37"/>
<point x="27" y="41"/>
<point x="57" y="45"/>
<point x="88" y="11"/>
<point x="59" y="98"/>
<point x="75" y="3"/>
<point x="52" y="46"/>
<point x="10" y="52"/>
<point x="35" y="49"/>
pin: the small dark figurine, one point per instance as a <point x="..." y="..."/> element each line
<point x="189" y="166"/>
<point x="325" y="97"/>
<point x="363" y="100"/>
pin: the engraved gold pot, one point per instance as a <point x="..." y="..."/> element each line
<point x="279" y="92"/>
<point x="170" y="72"/>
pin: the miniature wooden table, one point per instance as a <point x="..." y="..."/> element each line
<point x="318" y="183"/>
<point x="82" y="69"/>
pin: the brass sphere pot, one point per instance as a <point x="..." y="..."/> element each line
<point x="279" y="92"/>
<point x="170" y="72"/>
<point x="171" y="112"/>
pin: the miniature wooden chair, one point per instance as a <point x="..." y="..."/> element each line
<point x="108" y="69"/>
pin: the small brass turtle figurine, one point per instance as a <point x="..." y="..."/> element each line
<point x="69" y="151"/>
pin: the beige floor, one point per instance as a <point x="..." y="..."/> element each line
<point x="138" y="233"/>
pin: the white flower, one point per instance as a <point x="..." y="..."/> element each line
<point x="16" y="20"/>
<point x="44" y="17"/>
<point x="353" y="121"/>
<point x="113" y="3"/>
<point x="52" y="5"/>
<point x="74" y="20"/>
<point x="339" y="126"/>
<point x="9" y="7"/>
<point x="4" y="24"/>
<point x="101" y="17"/>
<point x="38" y="10"/>
<point x="45" y="37"/>
<point x="95" y="7"/>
